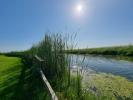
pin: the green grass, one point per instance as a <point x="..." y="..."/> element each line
<point x="118" y="50"/>
<point x="17" y="82"/>
<point x="9" y="75"/>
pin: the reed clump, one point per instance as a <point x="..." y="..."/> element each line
<point x="57" y="66"/>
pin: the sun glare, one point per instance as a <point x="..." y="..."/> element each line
<point x="79" y="8"/>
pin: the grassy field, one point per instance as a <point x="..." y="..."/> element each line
<point x="17" y="81"/>
<point x="118" y="50"/>
<point x="10" y="69"/>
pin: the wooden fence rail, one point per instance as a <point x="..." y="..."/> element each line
<point x="47" y="84"/>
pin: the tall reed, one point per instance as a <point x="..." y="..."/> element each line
<point x="57" y="65"/>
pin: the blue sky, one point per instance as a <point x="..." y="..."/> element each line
<point x="100" y="23"/>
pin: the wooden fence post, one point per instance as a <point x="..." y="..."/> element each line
<point x="47" y="84"/>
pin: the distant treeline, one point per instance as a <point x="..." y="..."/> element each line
<point x="119" y="50"/>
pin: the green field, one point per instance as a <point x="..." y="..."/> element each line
<point x="10" y="69"/>
<point x="17" y="81"/>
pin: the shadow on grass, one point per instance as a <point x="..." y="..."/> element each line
<point x="28" y="87"/>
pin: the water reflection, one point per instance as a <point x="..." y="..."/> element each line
<point x="107" y="64"/>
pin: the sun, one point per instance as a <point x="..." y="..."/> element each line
<point x="79" y="8"/>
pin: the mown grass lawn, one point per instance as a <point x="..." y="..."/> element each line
<point x="17" y="82"/>
<point x="10" y="69"/>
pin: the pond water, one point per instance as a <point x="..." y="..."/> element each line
<point x="104" y="64"/>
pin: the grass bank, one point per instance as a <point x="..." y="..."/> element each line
<point x="118" y="50"/>
<point x="17" y="81"/>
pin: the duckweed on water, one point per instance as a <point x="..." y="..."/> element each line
<point x="109" y="86"/>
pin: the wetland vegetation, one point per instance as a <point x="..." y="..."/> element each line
<point x="20" y="79"/>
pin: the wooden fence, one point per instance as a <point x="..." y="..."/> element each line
<point x="47" y="84"/>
